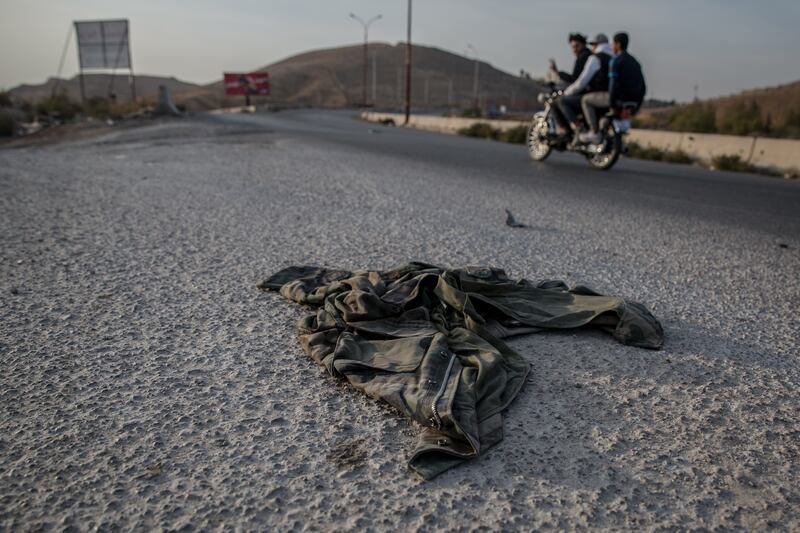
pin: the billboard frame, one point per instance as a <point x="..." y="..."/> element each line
<point x="126" y="39"/>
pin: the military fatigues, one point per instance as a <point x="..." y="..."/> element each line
<point x="427" y="341"/>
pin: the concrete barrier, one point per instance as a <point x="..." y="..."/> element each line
<point x="707" y="146"/>
<point x="780" y="154"/>
<point x="238" y="109"/>
<point x="440" y="124"/>
<point x="663" y="140"/>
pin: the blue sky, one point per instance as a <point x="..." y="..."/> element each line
<point x="723" y="46"/>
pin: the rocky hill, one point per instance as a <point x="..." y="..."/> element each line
<point x="333" y="78"/>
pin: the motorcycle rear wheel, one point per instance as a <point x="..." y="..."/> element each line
<point x="609" y="156"/>
<point x="538" y="148"/>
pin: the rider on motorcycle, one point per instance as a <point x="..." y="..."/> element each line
<point x="626" y="78"/>
<point x="577" y="42"/>
<point x="593" y="78"/>
<point x="626" y="84"/>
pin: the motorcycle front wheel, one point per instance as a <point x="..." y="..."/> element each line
<point x="538" y="148"/>
<point x="612" y="148"/>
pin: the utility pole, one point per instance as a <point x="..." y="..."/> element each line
<point x="398" y="90"/>
<point x="475" y="77"/>
<point x="408" y="66"/>
<point x="366" y="40"/>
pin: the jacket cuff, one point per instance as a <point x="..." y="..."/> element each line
<point x="437" y="452"/>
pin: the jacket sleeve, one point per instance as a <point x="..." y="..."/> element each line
<point x="306" y="284"/>
<point x="589" y="70"/>
<point x="644" y="86"/>
<point x="566" y="77"/>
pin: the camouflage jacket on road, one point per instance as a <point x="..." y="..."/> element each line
<point x="427" y="341"/>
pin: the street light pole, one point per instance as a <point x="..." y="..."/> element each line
<point x="475" y="76"/>
<point x="408" y="66"/>
<point x="366" y="39"/>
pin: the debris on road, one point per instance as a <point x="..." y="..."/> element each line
<point x="511" y="221"/>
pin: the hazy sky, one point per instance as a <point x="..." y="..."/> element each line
<point x="723" y="46"/>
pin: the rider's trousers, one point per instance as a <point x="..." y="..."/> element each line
<point x="590" y="102"/>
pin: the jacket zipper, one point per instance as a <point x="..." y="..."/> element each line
<point x="437" y="419"/>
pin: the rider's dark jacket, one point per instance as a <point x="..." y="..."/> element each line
<point x="626" y="81"/>
<point x="580" y="62"/>
<point x="599" y="81"/>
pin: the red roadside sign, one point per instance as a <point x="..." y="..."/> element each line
<point x="255" y="83"/>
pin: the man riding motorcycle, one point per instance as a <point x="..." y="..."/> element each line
<point x="626" y="81"/>
<point x="626" y="85"/>
<point x="582" y="54"/>
<point x="544" y="134"/>
<point x="578" y="44"/>
<point x="593" y="78"/>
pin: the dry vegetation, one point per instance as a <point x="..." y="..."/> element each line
<point x="483" y="130"/>
<point x="771" y="112"/>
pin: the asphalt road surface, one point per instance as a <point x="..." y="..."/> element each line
<point x="146" y="383"/>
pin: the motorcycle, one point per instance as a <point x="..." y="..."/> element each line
<point x="543" y="138"/>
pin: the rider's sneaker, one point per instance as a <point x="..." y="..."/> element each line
<point x="589" y="137"/>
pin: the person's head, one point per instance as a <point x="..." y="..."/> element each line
<point x="599" y="39"/>
<point x="621" y="41"/>
<point x="577" y="42"/>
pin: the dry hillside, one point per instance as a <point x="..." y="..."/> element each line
<point x="333" y="78"/>
<point x="773" y="111"/>
<point x="774" y="102"/>
<point x="100" y="85"/>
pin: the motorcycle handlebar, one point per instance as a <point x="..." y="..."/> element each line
<point x="552" y="95"/>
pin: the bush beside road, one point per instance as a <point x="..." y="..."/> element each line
<point x="516" y="135"/>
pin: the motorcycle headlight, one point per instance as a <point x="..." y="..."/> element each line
<point x="542" y="98"/>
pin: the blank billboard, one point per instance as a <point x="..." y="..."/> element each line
<point x="103" y="44"/>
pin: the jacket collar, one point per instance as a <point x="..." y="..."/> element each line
<point x="604" y="48"/>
